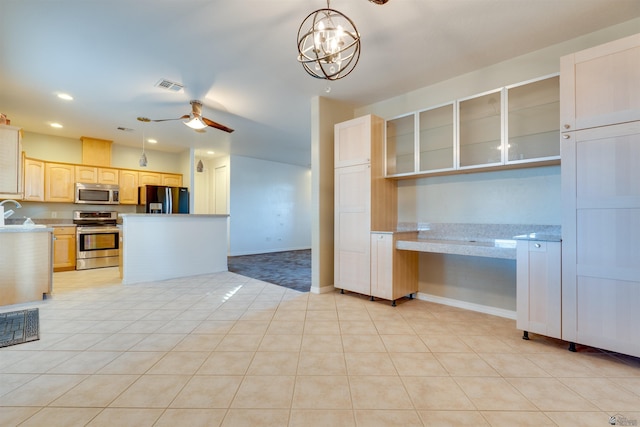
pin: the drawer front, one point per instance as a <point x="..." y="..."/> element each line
<point x="60" y="230"/>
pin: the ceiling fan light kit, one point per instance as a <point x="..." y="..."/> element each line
<point x="329" y="43"/>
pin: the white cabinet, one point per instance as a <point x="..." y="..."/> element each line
<point x="513" y="126"/>
<point x="401" y="152"/>
<point x="601" y="230"/>
<point x="394" y="273"/>
<point x="353" y="140"/>
<point x="533" y="126"/>
<point x="364" y="200"/>
<point x="421" y="142"/>
<point x="437" y="139"/>
<point x="600" y="94"/>
<point x="352" y="188"/>
<point x="601" y="86"/>
<point x="480" y="130"/>
<point x="538" y="283"/>
<point x="10" y="162"/>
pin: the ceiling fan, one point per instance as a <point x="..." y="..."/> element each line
<point x="195" y="120"/>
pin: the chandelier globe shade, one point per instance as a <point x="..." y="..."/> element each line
<point x="328" y="44"/>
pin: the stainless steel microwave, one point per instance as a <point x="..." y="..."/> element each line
<point x="97" y="194"/>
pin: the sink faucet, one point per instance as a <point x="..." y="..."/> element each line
<point x="10" y="212"/>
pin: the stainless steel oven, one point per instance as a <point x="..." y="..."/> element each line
<point x="97" y="239"/>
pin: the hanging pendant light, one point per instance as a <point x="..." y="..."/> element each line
<point x="328" y="44"/>
<point x="199" y="166"/>
<point x="143" y="157"/>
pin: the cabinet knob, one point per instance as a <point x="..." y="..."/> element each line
<point x="566" y="136"/>
<point x="567" y="126"/>
<point x="537" y="245"/>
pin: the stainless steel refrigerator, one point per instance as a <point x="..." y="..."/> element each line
<point x="161" y="199"/>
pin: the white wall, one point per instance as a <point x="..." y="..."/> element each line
<point x="520" y="196"/>
<point x="270" y="206"/>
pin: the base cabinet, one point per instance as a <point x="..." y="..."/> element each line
<point x="394" y="273"/>
<point x="538" y="284"/>
<point x="64" y="248"/>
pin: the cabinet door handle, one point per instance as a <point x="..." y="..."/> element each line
<point x="566" y="136"/>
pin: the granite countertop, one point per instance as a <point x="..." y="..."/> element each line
<point x="484" y="240"/>
<point x="19" y="228"/>
<point x="540" y="237"/>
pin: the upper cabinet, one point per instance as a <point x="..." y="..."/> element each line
<point x="96" y="152"/>
<point x="353" y="142"/>
<point x="437" y="139"/>
<point x="172" y="180"/>
<point x="94" y="175"/>
<point x="401" y="147"/>
<point x="533" y="127"/>
<point x="33" y="180"/>
<point x="601" y="86"/>
<point x="128" y="187"/>
<point x="10" y="162"/>
<point x="149" y="178"/>
<point x="480" y="130"/>
<point x="59" y="179"/>
<point x="515" y="126"/>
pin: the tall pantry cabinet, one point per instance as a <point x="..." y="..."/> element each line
<point x="364" y="201"/>
<point x="600" y="149"/>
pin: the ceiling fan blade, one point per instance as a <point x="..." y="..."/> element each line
<point x="216" y="125"/>
<point x="186" y="116"/>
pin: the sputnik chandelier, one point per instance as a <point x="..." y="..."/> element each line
<point x="329" y="43"/>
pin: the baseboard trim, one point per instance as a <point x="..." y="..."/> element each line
<point x="495" y="311"/>
<point x="268" y="251"/>
<point x="322" y="289"/>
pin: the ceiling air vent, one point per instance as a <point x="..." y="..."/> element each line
<point x="169" y="85"/>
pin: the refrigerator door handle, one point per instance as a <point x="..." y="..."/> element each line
<point x="169" y="200"/>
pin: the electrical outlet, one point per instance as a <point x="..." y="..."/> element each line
<point x="54" y="214"/>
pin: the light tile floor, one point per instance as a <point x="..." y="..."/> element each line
<point x="226" y="350"/>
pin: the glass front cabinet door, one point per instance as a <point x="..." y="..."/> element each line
<point x="401" y="145"/>
<point x="533" y="125"/>
<point x="480" y="130"/>
<point x="437" y="139"/>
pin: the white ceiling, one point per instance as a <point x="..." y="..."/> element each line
<point x="239" y="58"/>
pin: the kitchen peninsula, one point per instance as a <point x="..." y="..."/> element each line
<point x="159" y="247"/>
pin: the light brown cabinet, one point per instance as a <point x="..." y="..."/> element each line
<point x="149" y="178"/>
<point x="54" y="182"/>
<point x="128" y="187"/>
<point x="64" y="248"/>
<point x="59" y="180"/>
<point x="95" y="175"/>
<point x="96" y="152"/>
<point x="172" y="180"/>
<point x="34" y="180"/>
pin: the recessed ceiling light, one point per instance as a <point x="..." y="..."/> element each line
<point x="152" y="141"/>
<point x="65" y="96"/>
<point x="56" y="125"/>
<point x="211" y="152"/>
